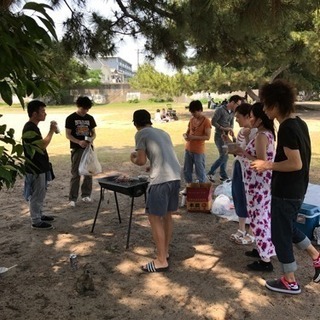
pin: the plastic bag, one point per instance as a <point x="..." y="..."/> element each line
<point x="224" y="188"/>
<point x="89" y="163"/>
<point x="221" y="204"/>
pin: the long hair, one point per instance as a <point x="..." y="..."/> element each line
<point x="257" y="111"/>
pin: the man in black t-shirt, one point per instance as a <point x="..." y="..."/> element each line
<point x="80" y="130"/>
<point x="37" y="165"/>
<point x="290" y="178"/>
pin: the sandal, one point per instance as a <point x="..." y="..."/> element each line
<point x="239" y="234"/>
<point x="247" y="239"/>
<point x="150" y="267"/>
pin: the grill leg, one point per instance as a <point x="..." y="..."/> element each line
<point x="96" y="216"/>
<point x="130" y="221"/>
<point x="117" y="204"/>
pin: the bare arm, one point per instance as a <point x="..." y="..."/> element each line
<point x="139" y="157"/>
<point x="47" y="139"/>
<point x="93" y="134"/>
<point x="81" y="143"/>
<point x="206" y="136"/>
<point x="261" y="143"/>
<point x="292" y="163"/>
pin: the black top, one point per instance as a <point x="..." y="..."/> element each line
<point x="38" y="157"/>
<point x="81" y="127"/>
<point x="294" y="134"/>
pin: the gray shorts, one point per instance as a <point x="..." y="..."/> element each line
<point x="163" y="198"/>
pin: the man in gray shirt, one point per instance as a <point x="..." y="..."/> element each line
<point x="222" y="120"/>
<point x="163" y="193"/>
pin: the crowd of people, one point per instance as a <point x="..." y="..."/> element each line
<point x="268" y="183"/>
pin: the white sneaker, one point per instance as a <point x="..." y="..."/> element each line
<point x="87" y="199"/>
<point x="72" y="204"/>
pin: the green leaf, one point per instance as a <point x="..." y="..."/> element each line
<point x="3" y="129"/>
<point x="5" y="174"/>
<point x="49" y="26"/>
<point x="6" y="92"/>
<point x="29" y="135"/>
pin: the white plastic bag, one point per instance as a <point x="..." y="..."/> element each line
<point x="221" y="204"/>
<point x="89" y="163"/>
<point x="224" y="188"/>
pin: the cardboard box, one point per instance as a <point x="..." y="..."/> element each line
<point x="308" y="219"/>
<point x="201" y="206"/>
<point x="199" y="197"/>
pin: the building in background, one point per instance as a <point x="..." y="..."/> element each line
<point x="113" y="69"/>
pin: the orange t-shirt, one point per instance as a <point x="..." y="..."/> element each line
<point x="197" y="129"/>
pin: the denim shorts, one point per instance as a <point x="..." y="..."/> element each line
<point x="163" y="198"/>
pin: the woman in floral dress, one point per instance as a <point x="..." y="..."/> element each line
<point x="258" y="187"/>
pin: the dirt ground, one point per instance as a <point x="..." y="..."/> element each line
<point x="208" y="278"/>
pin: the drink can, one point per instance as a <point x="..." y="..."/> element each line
<point x="73" y="261"/>
<point x="56" y="123"/>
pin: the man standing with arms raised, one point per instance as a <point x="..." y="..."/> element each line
<point x="163" y="193"/>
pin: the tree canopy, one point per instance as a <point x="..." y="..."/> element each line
<point x="247" y="41"/>
<point x="259" y="40"/>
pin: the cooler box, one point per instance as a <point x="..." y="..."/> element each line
<point x="199" y="197"/>
<point x="308" y="219"/>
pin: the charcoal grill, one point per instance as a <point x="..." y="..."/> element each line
<point x="133" y="188"/>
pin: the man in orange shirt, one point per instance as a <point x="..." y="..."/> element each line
<point x="199" y="130"/>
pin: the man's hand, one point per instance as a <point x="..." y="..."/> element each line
<point x="83" y="143"/>
<point x="133" y="156"/>
<point x="261" y="165"/>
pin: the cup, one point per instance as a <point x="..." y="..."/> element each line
<point x="232" y="147"/>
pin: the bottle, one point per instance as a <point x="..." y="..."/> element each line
<point x="57" y="129"/>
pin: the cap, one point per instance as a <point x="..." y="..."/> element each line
<point x="141" y="118"/>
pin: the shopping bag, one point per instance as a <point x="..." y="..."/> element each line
<point x="224" y="188"/>
<point x="89" y="163"/>
<point x="221" y="204"/>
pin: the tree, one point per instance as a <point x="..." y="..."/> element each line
<point x="22" y="43"/>
<point x="244" y="35"/>
<point x="23" y="39"/>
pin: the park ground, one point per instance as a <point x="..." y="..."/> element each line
<point x="207" y="278"/>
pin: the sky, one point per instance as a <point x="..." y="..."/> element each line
<point x="127" y="48"/>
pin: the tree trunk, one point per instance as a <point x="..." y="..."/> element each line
<point x="252" y="95"/>
<point x="277" y="72"/>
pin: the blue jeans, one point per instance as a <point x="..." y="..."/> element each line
<point x="284" y="213"/>
<point x="35" y="192"/>
<point x="222" y="160"/>
<point x="199" y="162"/>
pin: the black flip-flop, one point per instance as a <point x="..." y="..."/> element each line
<point x="150" y="267"/>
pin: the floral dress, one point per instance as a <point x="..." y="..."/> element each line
<point x="258" y="194"/>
